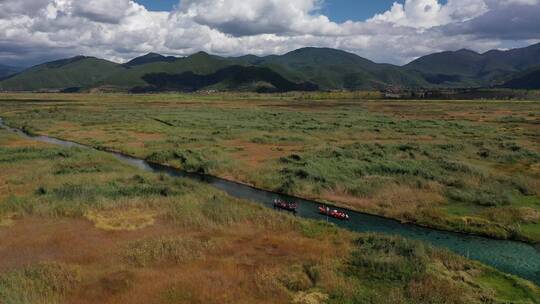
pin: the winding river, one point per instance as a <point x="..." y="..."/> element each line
<point x="508" y="256"/>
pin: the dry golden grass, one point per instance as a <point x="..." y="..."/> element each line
<point x="255" y="155"/>
<point x="122" y="219"/>
<point x="398" y="201"/>
<point x="161" y="265"/>
<point x="310" y="298"/>
<point x="7" y="220"/>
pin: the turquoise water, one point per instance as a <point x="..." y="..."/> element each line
<point x="508" y="256"/>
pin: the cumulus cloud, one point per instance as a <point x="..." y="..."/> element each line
<point x="17" y="7"/>
<point x="506" y="20"/>
<point x="37" y="30"/>
<point x="430" y="13"/>
<point x="242" y="18"/>
<point x="104" y="10"/>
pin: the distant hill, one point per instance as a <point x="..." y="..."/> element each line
<point x="6" y="70"/>
<point x="199" y="63"/>
<point x="528" y="80"/>
<point x="234" y="77"/>
<point x="149" y="58"/>
<point x="73" y="72"/>
<point x="467" y="68"/>
<point x="335" y="69"/>
<point x="327" y="69"/>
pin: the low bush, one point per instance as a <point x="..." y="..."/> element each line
<point x="189" y="160"/>
<point x="388" y="258"/>
<point x="17" y="204"/>
<point x="222" y="211"/>
<point x="10" y="155"/>
<point x="486" y="196"/>
<point x="165" y="250"/>
<point x="434" y="290"/>
<point x="317" y="229"/>
<point x="525" y="185"/>
<point x="40" y="283"/>
<point x="296" y="279"/>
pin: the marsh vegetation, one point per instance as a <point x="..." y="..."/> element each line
<point x="469" y="166"/>
<point x="85" y="228"/>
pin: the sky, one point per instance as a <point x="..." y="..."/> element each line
<point x="336" y="10"/>
<point x="35" y="31"/>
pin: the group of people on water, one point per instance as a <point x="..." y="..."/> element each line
<point x="285" y="205"/>
<point x="333" y="213"/>
<point x="325" y="210"/>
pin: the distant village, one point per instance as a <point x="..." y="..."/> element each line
<point x="455" y="93"/>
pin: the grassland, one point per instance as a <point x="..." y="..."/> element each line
<point x="469" y="166"/>
<point x="81" y="227"/>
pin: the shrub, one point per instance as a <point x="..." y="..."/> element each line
<point x="524" y="185"/>
<point x="71" y="192"/>
<point x="296" y="279"/>
<point x="388" y="258"/>
<point x="317" y="229"/>
<point x="223" y="212"/>
<point x="10" y="155"/>
<point x="487" y="196"/>
<point x="165" y="250"/>
<point x="432" y="290"/>
<point x="78" y="168"/>
<point x="189" y="160"/>
<point x="512" y="119"/>
<point x="41" y="283"/>
<point x="17" y="204"/>
<point x="160" y="157"/>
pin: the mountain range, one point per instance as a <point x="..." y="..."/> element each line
<point x="302" y="69"/>
<point x="6" y="70"/>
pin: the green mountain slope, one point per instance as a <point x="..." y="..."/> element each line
<point x="528" y="80"/>
<point x="199" y="63"/>
<point x="329" y="69"/>
<point x="462" y="62"/>
<point x="336" y="69"/>
<point x="234" y="77"/>
<point x="149" y="58"/>
<point x="6" y="70"/>
<point x="73" y="72"/>
<point x="469" y="69"/>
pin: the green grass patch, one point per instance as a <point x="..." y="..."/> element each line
<point x="508" y="289"/>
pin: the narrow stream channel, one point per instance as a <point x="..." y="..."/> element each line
<point x="508" y="256"/>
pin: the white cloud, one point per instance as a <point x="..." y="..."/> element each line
<point x="241" y="18"/>
<point x="430" y="13"/>
<point x="21" y="7"/>
<point x="37" y="30"/>
<point x="104" y="10"/>
<point x="527" y="2"/>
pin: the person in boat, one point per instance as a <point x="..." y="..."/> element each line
<point x="285" y="205"/>
<point x="333" y="213"/>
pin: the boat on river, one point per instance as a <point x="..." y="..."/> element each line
<point x="340" y="215"/>
<point x="279" y="204"/>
